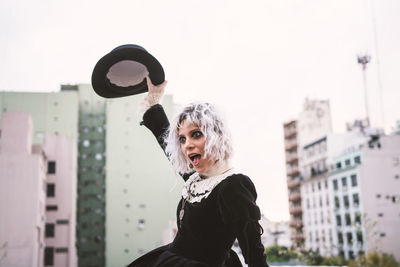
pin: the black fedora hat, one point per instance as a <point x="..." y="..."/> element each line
<point x="123" y="71"/>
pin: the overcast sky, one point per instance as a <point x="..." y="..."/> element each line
<point x="257" y="59"/>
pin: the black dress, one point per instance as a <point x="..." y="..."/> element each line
<point x="209" y="228"/>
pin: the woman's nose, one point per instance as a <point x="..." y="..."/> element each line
<point x="189" y="144"/>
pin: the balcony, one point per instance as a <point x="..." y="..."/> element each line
<point x="290" y="145"/>
<point x="295" y="209"/>
<point x="293" y="183"/>
<point x="298" y="236"/>
<point x="291" y="158"/>
<point x="294" y="196"/>
<point x="297" y="223"/>
<point x="290" y="132"/>
<point x="293" y="171"/>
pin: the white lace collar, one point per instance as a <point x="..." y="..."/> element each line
<point x="197" y="187"/>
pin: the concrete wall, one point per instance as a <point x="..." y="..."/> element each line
<point x="22" y="193"/>
<point x="64" y="152"/>
<point x="380" y="186"/>
<point x="141" y="184"/>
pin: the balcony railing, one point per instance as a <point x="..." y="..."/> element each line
<point x="290" y="145"/>
<point x="293" y="171"/>
<point x="294" y="196"/>
<point x="295" y="209"/>
<point x="293" y="183"/>
<point x="290" y="132"/>
<point x="296" y="223"/>
<point x="291" y="158"/>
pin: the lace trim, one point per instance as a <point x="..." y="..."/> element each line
<point x="196" y="188"/>
<point x="150" y="100"/>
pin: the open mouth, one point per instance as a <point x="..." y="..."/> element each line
<point x="195" y="159"/>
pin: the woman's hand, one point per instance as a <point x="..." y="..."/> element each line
<point x="154" y="96"/>
<point x="155" y="89"/>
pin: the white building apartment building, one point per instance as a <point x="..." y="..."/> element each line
<point x="366" y="193"/>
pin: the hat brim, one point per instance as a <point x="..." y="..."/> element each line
<point x="122" y="62"/>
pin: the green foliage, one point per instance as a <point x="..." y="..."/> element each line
<point x="277" y="253"/>
<point x="311" y="257"/>
<point x="375" y="259"/>
<point x="334" y="261"/>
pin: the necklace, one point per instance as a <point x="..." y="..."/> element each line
<point x="182" y="211"/>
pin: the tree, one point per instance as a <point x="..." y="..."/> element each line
<point x="375" y="259"/>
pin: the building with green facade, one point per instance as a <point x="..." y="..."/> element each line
<point x="127" y="190"/>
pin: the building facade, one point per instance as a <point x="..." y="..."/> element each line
<point x="366" y="186"/>
<point x="22" y="193"/>
<point x="293" y="182"/>
<point x="126" y="192"/>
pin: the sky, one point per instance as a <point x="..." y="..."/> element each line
<point x="257" y="60"/>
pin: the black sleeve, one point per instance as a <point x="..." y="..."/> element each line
<point x="157" y="122"/>
<point x="238" y="208"/>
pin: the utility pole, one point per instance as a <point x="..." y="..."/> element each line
<point x="364" y="60"/>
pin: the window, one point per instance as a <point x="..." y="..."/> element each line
<point x="348" y="219"/>
<point x="359" y="237"/>
<point x="51" y="188"/>
<point x="340" y="238"/>
<point x="351" y="254"/>
<point x="61" y="250"/>
<point x="344" y="181"/>
<point x="349" y="238"/>
<point x="335" y="184"/>
<point x="338" y="220"/>
<point x="308" y="203"/>
<point x="380" y="214"/>
<point x="320" y="201"/>
<point x="49" y="256"/>
<point x="49" y="230"/>
<point x="338" y="165"/>
<point x="51" y="167"/>
<point x="357" y="217"/>
<point x="347" y="162"/>
<point x="346" y="201"/>
<point x="337" y="202"/>
<point x="354" y="180"/>
<point x="356" y="200"/>
<point x="62" y="222"/>
<point x="327" y="200"/>
<point x="357" y="160"/>
<point x="51" y="207"/>
<point x="326" y="184"/>
<point x="319" y="186"/>
<point x="141" y="224"/>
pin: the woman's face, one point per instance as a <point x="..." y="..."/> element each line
<point x="192" y="143"/>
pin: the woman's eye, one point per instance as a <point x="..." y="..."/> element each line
<point x="182" y="139"/>
<point x="197" y="134"/>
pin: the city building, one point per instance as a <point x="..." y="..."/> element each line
<point x="313" y="124"/>
<point x="61" y="186"/>
<point x="275" y="233"/>
<point x="126" y="190"/>
<point x="54" y="178"/>
<point x="22" y="193"/>
<point x="293" y="182"/>
<point x="366" y="188"/>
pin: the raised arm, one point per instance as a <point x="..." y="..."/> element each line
<point x="154" y="117"/>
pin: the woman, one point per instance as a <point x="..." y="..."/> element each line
<point x="218" y="205"/>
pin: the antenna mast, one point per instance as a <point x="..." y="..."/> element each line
<point x="364" y="60"/>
